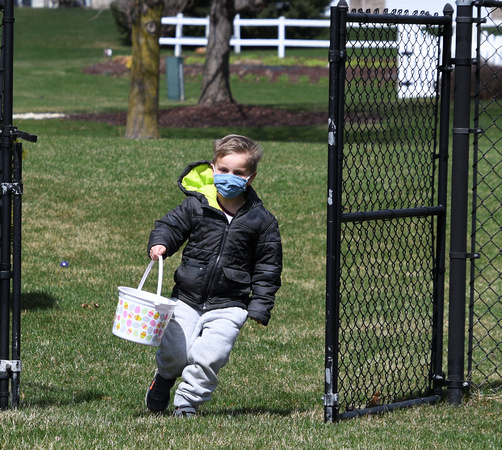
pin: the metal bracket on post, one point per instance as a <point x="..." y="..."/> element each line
<point x="458" y="384"/>
<point x="337" y="56"/>
<point x="11" y="188"/>
<point x="330" y="400"/>
<point x="18" y="134"/>
<point x="467" y="130"/>
<point x="466" y="20"/>
<point x="5" y="271"/>
<point x="460" y="255"/>
<point x="10" y="366"/>
<point x="464" y="61"/>
<point x="15" y="133"/>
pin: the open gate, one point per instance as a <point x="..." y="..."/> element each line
<point x="387" y="186"/>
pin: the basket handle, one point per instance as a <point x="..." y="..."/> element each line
<point x="147" y="271"/>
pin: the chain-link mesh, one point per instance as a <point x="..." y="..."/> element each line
<point x="386" y="312"/>
<point x="387" y="267"/>
<point x="485" y="330"/>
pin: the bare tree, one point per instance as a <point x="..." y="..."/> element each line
<point x="216" y="75"/>
<point x="143" y="106"/>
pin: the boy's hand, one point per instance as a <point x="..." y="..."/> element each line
<point x="156" y="251"/>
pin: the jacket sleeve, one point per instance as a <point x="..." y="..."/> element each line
<point x="173" y="229"/>
<point x="266" y="277"/>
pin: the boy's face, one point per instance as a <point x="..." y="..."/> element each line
<point x="235" y="164"/>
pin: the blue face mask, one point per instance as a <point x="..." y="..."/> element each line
<point x="229" y="185"/>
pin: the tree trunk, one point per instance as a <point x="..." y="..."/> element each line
<point x="143" y="107"/>
<point x="216" y="75"/>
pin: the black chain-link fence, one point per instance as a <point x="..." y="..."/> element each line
<point x="386" y="231"/>
<point x="485" y="309"/>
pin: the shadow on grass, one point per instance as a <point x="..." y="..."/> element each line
<point x="62" y="127"/>
<point x="229" y="412"/>
<point x="38" y="394"/>
<point x="254" y="411"/>
<point x="37" y="300"/>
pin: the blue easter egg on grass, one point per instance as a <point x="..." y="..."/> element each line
<point x="64" y="264"/>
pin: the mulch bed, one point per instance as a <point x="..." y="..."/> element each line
<point x="117" y="67"/>
<point x="225" y="114"/>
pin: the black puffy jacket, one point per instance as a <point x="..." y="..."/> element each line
<point x="223" y="264"/>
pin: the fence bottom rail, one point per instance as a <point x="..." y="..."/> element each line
<point x="390" y="407"/>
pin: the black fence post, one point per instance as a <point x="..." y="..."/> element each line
<point x="459" y="203"/>
<point x="6" y="201"/>
<point x="335" y="153"/>
<point x="330" y="343"/>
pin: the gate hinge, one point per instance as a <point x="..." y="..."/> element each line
<point x="446" y="68"/>
<point x="464" y="61"/>
<point x="337" y="56"/>
<point x="14" y="188"/>
<point x="330" y="399"/>
<point x="439" y="378"/>
<point x="7" y="365"/>
<point x="471" y="19"/>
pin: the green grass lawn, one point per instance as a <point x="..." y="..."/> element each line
<point x="92" y="201"/>
<point x="91" y="197"/>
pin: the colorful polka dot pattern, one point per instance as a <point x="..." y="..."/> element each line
<point x="140" y="323"/>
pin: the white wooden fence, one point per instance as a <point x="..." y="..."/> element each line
<point x="414" y="46"/>
<point x="236" y="41"/>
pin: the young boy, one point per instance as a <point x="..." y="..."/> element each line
<point x="230" y="270"/>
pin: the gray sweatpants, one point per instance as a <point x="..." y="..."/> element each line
<point x="195" y="346"/>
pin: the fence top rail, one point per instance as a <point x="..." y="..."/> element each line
<point x="393" y="18"/>
<point x="489" y="3"/>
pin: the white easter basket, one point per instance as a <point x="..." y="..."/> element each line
<point x="142" y="316"/>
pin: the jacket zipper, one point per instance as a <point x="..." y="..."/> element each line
<point x="210" y="282"/>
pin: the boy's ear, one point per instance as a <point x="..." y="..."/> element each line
<point x="251" y="179"/>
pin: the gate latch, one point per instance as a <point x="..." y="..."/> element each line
<point x="460" y="255"/>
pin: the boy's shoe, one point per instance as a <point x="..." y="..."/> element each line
<point x="185" y="411"/>
<point x="158" y="394"/>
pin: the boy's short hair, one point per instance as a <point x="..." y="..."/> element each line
<point x="234" y="143"/>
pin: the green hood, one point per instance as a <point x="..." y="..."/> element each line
<point x="199" y="179"/>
